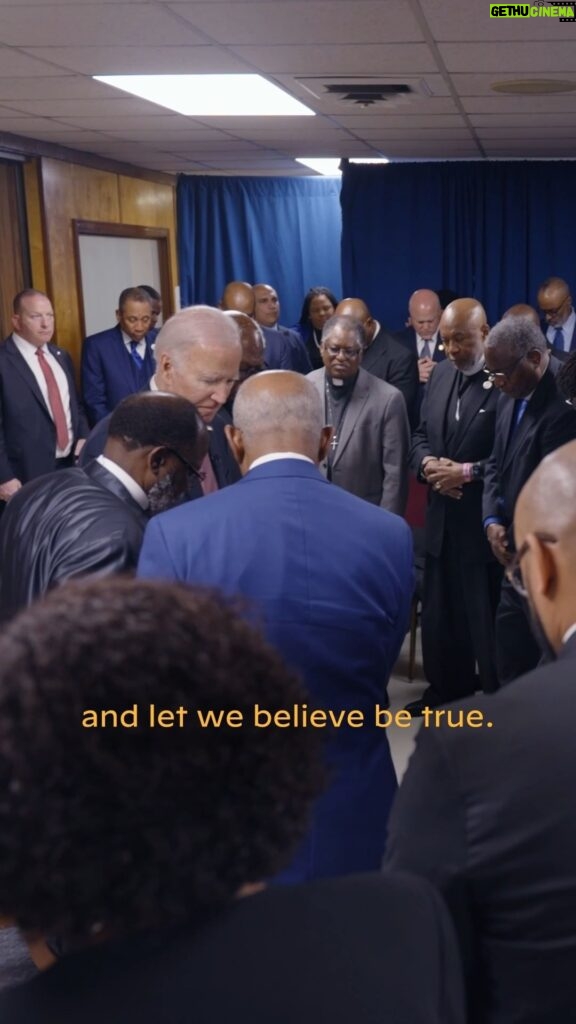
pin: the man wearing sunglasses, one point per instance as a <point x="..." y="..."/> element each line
<point x="532" y="420"/>
<point x="90" y="521"/>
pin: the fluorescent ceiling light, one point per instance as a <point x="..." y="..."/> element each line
<point x="330" y="166"/>
<point x="211" y="95"/>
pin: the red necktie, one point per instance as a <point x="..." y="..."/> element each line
<point x="55" y="402"/>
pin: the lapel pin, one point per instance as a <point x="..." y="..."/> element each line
<point x="487" y="385"/>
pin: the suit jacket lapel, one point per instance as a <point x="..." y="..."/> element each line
<point x="21" y="367"/>
<point x="355" y="406"/>
<point x="477" y="397"/>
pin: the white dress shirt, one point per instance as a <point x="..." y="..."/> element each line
<point x="140" y="347"/>
<point x="275" y="456"/>
<point x="28" y="351"/>
<point x="134" y="489"/>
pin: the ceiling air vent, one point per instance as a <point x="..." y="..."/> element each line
<point x="367" y="94"/>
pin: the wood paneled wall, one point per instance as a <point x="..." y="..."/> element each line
<point x="12" y="275"/>
<point x="57" y="193"/>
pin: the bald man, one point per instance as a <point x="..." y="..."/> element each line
<point x="487" y="813"/>
<point x="421" y="336"/>
<point x="197" y="355"/>
<point x="558" y="356"/>
<point x="532" y="420"/>
<point x="559" y="318"/>
<point x="330" y="578"/>
<point x="285" y="349"/>
<point x="462" y="577"/>
<point x="238" y="295"/>
<point x="383" y="356"/>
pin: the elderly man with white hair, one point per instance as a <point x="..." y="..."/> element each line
<point x="197" y="353"/>
<point x="329" y="577"/>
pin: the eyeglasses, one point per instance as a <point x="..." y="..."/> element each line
<point x="336" y="350"/>
<point x="193" y="473"/>
<point x="549" y="313"/>
<point x="502" y="375"/>
<point x="514" y="571"/>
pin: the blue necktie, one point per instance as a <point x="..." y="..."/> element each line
<point x="559" y="339"/>
<point x="135" y="355"/>
<point x="519" y="410"/>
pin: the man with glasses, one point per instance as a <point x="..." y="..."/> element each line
<point x="449" y="453"/>
<point x="487" y="813"/>
<point x="559" y="324"/>
<point x="531" y="421"/>
<point x="368" y="452"/>
<point x="119" y="361"/>
<point x="90" y="521"/>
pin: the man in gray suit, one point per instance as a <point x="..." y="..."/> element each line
<point x="369" y="449"/>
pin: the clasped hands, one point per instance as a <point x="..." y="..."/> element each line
<point x="445" y="476"/>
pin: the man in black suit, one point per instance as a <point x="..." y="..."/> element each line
<point x="559" y="317"/>
<point x="486" y="812"/>
<point x="90" y="522"/>
<point x="384" y="356"/>
<point x="141" y="844"/>
<point x="41" y="420"/>
<point x="449" y="452"/>
<point x="198" y="355"/>
<point x="531" y="421"/>
<point x="422" y="336"/>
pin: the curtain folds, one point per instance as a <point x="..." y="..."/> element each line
<point x="489" y="230"/>
<point x="280" y="231"/>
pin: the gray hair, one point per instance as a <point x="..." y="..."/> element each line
<point x="196" y="325"/>
<point x="348" y="324"/>
<point x="261" y="411"/>
<point x="517" y="333"/>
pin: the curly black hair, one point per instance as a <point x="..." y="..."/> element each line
<point x="566" y="379"/>
<point x="115" y="829"/>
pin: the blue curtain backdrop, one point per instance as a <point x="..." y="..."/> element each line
<point x="492" y="231"/>
<point x="280" y="231"/>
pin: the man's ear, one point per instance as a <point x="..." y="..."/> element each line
<point x="156" y="458"/>
<point x="118" y="315"/>
<point x="485" y="331"/>
<point x="325" y="438"/>
<point x="236" y="442"/>
<point x="543" y="569"/>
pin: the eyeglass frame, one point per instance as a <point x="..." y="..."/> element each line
<point x="504" y="374"/>
<point x="513" y="572"/>
<point x="336" y="350"/>
<point x="192" y="471"/>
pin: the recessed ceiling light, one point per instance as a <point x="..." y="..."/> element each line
<point x="330" y="166"/>
<point x="211" y="95"/>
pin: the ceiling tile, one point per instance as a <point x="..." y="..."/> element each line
<point x="314" y="21"/>
<point x="532" y="59"/>
<point x="93" y="24"/>
<point x="339" y="60"/>
<point x="151" y="59"/>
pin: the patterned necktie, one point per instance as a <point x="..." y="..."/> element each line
<point x="55" y="402"/>
<point x="426" y="351"/>
<point x="559" y="339"/>
<point x="136" y="355"/>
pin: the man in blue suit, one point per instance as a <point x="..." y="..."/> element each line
<point x="328" y="576"/>
<point x="559" y="317"/>
<point x="120" y="361"/>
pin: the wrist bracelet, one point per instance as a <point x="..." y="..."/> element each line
<point x="467" y="471"/>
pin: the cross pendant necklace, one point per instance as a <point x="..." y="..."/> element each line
<point x="334" y="442"/>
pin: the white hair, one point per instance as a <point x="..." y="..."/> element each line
<point x="260" y="411"/>
<point x="196" y="325"/>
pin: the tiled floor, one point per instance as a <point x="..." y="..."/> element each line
<point x="400" y="691"/>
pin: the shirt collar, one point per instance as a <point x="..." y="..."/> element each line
<point x="569" y="633"/>
<point x="26" y="346"/>
<point x="275" y="456"/>
<point x="127" y="481"/>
